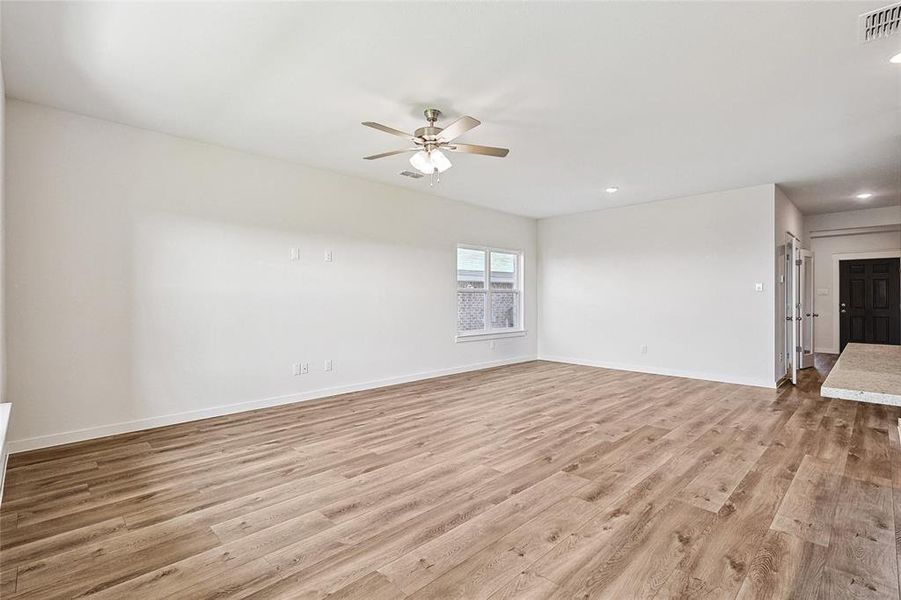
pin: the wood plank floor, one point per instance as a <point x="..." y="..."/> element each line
<point x="538" y="480"/>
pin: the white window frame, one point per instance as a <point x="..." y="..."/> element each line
<point x="488" y="333"/>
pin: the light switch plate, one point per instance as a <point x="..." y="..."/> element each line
<point x="758" y="287"/>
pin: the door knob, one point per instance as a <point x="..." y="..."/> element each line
<point x="843" y="310"/>
<point x="816" y="314"/>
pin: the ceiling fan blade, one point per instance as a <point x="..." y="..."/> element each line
<point x="473" y="149"/>
<point x="458" y="128"/>
<point x="392" y="153"/>
<point x="391" y="130"/>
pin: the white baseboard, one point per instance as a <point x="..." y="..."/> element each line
<point x="662" y="371"/>
<point x="5" y="411"/>
<point x="79" y="435"/>
<point x="3" y="474"/>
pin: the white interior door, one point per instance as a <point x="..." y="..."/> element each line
<point x="807" y="311"/>
<point x="794" y="314"/>
<point x="787" y="348"/>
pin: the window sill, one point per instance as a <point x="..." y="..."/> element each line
<point x="491" y="335"/>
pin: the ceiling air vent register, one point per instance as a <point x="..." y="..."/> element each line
<point x="880" y="23"/>
<point x="412" y="174"/>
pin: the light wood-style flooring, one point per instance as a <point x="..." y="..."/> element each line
<point x="538" y="480"/>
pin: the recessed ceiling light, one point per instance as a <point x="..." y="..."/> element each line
<point x="612" y="189"/>
<point x="896" y="59"/>
<point x="864" y="196"/>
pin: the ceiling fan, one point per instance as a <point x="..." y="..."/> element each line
<point x="430" y="140"/>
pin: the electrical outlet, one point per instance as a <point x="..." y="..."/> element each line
<point x="295" y="253"/>
<point x="304" y="368"/>
<point x="758" y="287"/>
<point x="644" y="349"/>
<point x="328" y="256"/>
<point x="296" y="368"/>
<point x="328" y="364"/>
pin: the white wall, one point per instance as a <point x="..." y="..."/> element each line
<point x="678" y="276"/>
<point x="885" y="216"/>
<point x="4" y="408"/>
<point x="150" y="281"/>
<point x="788" y="219"/>
<point x="845" y="235"/>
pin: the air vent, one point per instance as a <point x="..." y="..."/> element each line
<point x="880" y="23"/>
<point x="412" y="174"/>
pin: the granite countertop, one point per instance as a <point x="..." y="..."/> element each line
<point x="866" y="372"/>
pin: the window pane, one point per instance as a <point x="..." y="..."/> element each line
<point x="470" y="311"/>
<point x="470" y="268"/>
<point x="503" y="270"/>
<point x="504" y="310"/>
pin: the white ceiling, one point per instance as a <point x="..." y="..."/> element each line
<point x="660" y="99"/>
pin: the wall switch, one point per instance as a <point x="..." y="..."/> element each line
<point x="644" y="349"/>
<point x="328" y="256"/>
<point x="328" y="365"/>
<point x="758" y="287"/>
<point x="304" y="368"/>
<point x="296" y="368"/>
<point x="295" y="253"/>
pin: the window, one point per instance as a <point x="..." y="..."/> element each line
<point x="489" y="291"/>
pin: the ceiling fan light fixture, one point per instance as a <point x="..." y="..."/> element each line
<point x="422" y="162"/>
<point x="439" y="161"/>
<point x="896" y="59"/>
<point x="612" y="189"/>
<point x="864" y="196"/>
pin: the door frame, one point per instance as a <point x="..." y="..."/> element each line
<point x="784" y="278"/>
<point x="790" y="289"/>
<point x="836" y="278"/>
<point x="795" y="307"/>
<point x="806" y="284"/>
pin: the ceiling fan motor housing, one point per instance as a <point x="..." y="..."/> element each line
<point x="429" y="134"/>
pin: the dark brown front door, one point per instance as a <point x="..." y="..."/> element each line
<point x="869" y="303"/>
